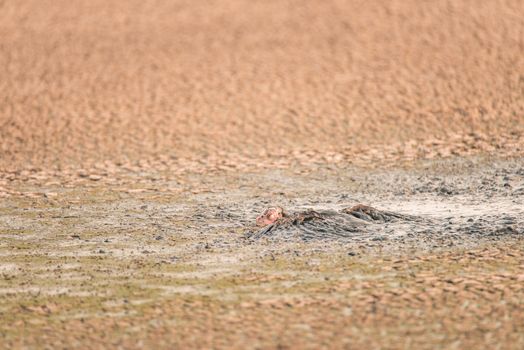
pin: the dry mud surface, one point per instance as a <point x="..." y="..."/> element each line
<point x="95" y="265"/>
<point x="91" y="81"/>
<point x="139" y="140"/>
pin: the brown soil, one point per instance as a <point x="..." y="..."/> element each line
<point x="139" y="140"/>
<point x="97" y="80"/>
<point x="447" y="300"/>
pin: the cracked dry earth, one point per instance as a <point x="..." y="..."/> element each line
<point x="96" y="265"/>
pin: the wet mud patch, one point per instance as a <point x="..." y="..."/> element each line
<point x="350" y="223"/>
<point x="446" y="225"/>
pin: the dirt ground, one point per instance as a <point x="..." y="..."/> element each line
<point x="95" y="80"/>
<point x="139" y="140"/>
<point x="100" y="264"/>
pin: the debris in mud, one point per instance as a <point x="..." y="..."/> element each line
<point x="312" y="224"/>
<point x="362" y="223"/>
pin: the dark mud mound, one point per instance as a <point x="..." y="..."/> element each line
<point x="356" y="222"/>
<point x="363" y="224"/>
<point x="370" y="214"/>
<point x="488" y="226"/>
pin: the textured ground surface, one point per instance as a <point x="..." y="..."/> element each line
<point x="102" y="264"/>
<point x="86" y="81"/>
<point x="139" y="140"/>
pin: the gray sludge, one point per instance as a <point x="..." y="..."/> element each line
<point x="366" y="224"/>
<point x="348" y="223"/>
